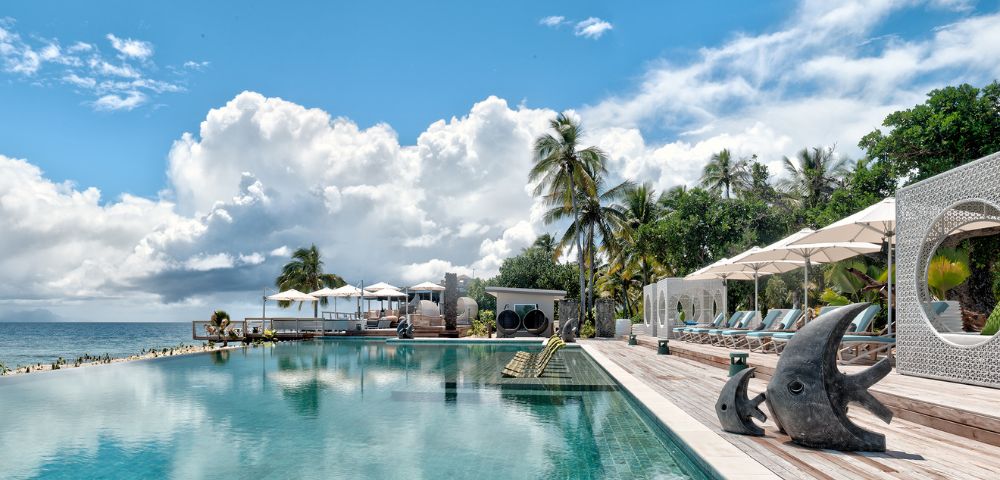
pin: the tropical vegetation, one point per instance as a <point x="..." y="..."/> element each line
<point x="304" y="272"/>
<point x="629" y="235"/>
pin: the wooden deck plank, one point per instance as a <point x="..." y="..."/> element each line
<point x="915" y="451"/>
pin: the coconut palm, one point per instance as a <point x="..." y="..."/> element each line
<point x="723" y="173"/>
<point x="641" y="208"/>
<point x="305" y="273"/>
<point x="548" y="244"/>
<point x="598" y="221"/>
<point x="813" y="175"/>
<point x="562" y="172"/>
<point x="948" y="269"/>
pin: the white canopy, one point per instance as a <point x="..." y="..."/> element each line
<point x="323" y="292"/>
<point x="347" y="291"/>
<point x="871" y="225"/>
<point x="427" y="287"/>
<point x="788" y="249"/>
<point x="292" y="296"/>
<point x="379" y="286"/>
<point x="722" y="269"/>
<point x="385" y="293"/>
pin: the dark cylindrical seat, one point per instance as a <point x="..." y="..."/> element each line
<point x="535" y="322"/>
<point x="508" y="323"/>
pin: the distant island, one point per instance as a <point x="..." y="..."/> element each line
<point x="38" y="315"/>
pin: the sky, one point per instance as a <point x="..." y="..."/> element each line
<point x="161" y="160"/>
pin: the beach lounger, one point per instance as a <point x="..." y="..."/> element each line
<point x="860" y="325"/>
<point x="700" y="334"/>
<point x="715" y="335"/>
<point x="762" y="338"/>
<point x="736" y="338"/>
<point x="682" y="333"/>
<point x="528" y="365"/>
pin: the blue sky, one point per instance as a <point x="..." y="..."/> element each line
<point x="405" y="63"/>
<point x="159" y="159"/>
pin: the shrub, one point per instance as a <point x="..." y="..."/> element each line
<point x="485" y="323"/>
<point x="993" y="323"/>
<point x="587" y="330"/>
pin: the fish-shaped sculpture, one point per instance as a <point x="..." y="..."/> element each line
<point x="808" y="394"/>
<point x="734" y="408"/>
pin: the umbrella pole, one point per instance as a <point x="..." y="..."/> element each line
<point x="805" y="288"/>
<point x="755" y="307"/>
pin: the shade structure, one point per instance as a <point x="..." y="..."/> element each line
<point x="874" y="224"/>
<point x="427" y="287"/>
<point x="323" y="292"/>
<point x="292" y="295"/>
<point x="385" y="293"/>
<point x="788" y="248"/>
<point x="347" y="291"/>
<point x="379" y="286"/>
<point x="725" y="270"/>
<point x="763" y="268"/>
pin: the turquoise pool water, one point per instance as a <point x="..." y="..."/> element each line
<point x="330" y="409"/>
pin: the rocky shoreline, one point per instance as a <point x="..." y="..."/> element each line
<point x="88" y="360"/>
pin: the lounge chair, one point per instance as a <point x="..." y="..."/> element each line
<point x="715" y="334"/>
<point x="528" y="365"/>
<point x="682" y="331"/>
<point x="859" y="325"/>
<point x="736" y="338"/>
<point x="700" y="334"/>
<point x="762" y="338"/>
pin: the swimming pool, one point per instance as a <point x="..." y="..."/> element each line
<point x="347" y="408"/>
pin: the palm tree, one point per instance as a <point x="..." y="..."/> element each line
<point x="548" y="244"/>
<point x="724" y="173"/>
<point x="641" y="208"/>
<point x="599" y="219"/>
<point x="305" y="274"/>
<point x="813" y="176"/>
<point x="562" y="172"/>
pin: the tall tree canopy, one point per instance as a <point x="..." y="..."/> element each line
<point x="305" y="274"/>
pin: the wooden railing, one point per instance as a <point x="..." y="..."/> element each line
<point x="253" y="327"/>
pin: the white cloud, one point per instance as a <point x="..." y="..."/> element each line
<point x="130" y="48"/>
<point x="592" y="27"/>
<point x="204" y="263"/>
<point x="282" y="251"/>
<point x="552" y="21"/>
<point x="122" y="83"/>
<point x="128" y="101"/>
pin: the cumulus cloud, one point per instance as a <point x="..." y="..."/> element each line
<point x="592" y="27"/>
<point x="123" y="81"/>
<point x="261" y="176"/>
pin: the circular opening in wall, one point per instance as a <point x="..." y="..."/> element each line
<point x="647" y="311"/>
<point x="661" y="309"/>
<point x="960" y="283"/>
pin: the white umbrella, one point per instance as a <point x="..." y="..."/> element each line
<point x="379" y="286"/>
<point x="427" y="287"/>
<point x="388" y="293"/>
<point x="826" y="252"/>
<point x="874" y="224"/>
<point x="294" y="295"/>
<point x="763" y="267"/>
<point x="715" y="270"/>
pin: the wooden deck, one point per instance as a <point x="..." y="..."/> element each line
<point x="915" y="451"/>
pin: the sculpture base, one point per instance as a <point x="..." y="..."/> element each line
<point x="449" y="334"/>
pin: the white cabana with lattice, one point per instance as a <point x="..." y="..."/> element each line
<point x="700" y="300"/>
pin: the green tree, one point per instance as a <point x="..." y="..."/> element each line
<point x="722" y="173"/>
<point x="562" y="172"/>
<point x="305" y="274"/>
<point x="954" y="126"/>
<point x="813" y="176"/>
<point x="534" y="268"/>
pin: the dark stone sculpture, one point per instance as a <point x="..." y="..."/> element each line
<point x="808" y="395"/>
<point x="404" y="329"/>
<point x="734" y="408"/>
<point x="450" y="301"/>
<point x="569" y="315"/>
<point x="605" y="321"/>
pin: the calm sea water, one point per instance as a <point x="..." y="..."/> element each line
<point x="321" y="409"/>
<point x="31" y="343"/>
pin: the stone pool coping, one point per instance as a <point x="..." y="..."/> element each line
<point x="721" y="458"/>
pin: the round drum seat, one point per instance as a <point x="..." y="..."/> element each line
<point x="508" y="322"/>
<point x="536" y="322"/>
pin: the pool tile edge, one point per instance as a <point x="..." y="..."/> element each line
<point x="724" y="458"/>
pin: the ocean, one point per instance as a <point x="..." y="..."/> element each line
<point x="38" y="342"/>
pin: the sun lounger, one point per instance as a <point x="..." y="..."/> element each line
<point x="736" y="338"/>
<point x="715" y="334"/>
<point x="682" y="333"/>
<point x="700" y="334"/>
<point x="529" y="365"/>
<point x="762" y="338"/>
<point x="859" y="325"/>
